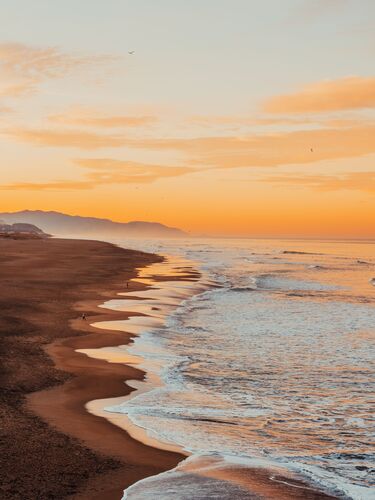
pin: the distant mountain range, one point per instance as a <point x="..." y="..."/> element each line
<point x="60" y="224"/>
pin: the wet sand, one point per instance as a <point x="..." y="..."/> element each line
<point x="53" y="447"/>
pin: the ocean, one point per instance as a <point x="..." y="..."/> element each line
<point x="259" y="353"/>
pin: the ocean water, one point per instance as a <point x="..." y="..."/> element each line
<point x="267" y="356"/>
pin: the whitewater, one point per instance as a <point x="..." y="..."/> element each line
<point x="265" y="358"/>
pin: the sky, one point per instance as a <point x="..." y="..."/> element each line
<point x="220" y="117"/>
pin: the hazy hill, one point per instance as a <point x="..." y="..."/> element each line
<point x="57" y="223"/>
<point x="21" y="230"/>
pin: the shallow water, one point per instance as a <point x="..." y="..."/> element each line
<point x="274" y="362"/>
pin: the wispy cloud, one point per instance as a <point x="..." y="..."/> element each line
<point x="5" y="109"/>
<point x="353" y="92"/>
<point x="104" y="171"/>
<point x="66" y="138"/>
<point x="87" y="117"/>
<point x="24" y="68"/>
<point x="231" y="151"/>
<point x="236" y="122"/>
<point x="48" y="186"/>
<point x="270" y="150"/>
<point x="239" y="121"/>
<point x="347" y="122"/>
<point x="354" y="181"/>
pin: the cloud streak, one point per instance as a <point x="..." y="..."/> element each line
<point x="354" y="181"/>
<point x="255" y="150"/>
<point x="66" y="138"/>
<point x="92" y="118"/>
<point x="236" y="122"/>
<point x="24" y="68"/>
<point x="104" y="171"/>
<point x="270" y="150"/>
<point x="333" y="95"/>
<point x="239" y="121"/>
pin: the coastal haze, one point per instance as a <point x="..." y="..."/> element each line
<point x="66" y="225"/>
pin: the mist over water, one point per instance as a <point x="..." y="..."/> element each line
<point x="273" y="362"/>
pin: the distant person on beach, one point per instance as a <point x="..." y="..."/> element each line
<point x="127" y="284"/>
<point x="83" y="316"/>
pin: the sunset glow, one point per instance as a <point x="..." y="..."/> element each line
<point x="230" y="118"/>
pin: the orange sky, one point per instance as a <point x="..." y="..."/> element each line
<point x="250" y="125"/>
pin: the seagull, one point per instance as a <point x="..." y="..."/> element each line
<point x="131" y="52"/>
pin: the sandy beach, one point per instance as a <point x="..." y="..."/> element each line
<point x="54" y="447"/>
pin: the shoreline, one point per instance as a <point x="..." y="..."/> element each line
<point x="55" y="447"/>
<point x="152" y="306"/>
<point x="64" y="407"/>
<point x="270" y="481"/>
<point x="121" y="460"/>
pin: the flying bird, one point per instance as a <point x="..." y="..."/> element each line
<point x="131" y="52"/>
